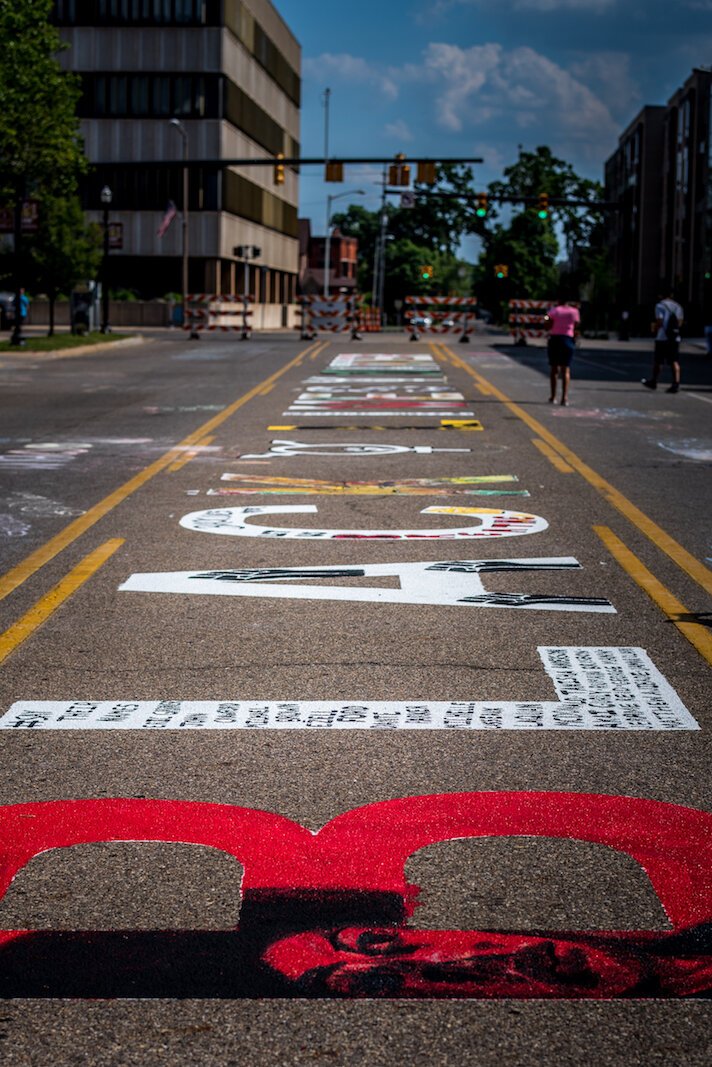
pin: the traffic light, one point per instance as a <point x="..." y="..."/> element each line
<point x="482" y="206"/>
<point x="399" y="172"/>
<point x="426" y="173"/>
<point x="501" y="271"/>
<point x="543" y="208"/>
<point x="279" y="170"/>
<point x="426" y="273"/>
<point x="334" y="172"/>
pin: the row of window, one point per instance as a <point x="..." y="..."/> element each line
<point x="145" y="188"/>
<point x="153" y="12"/>
<point x="187" y="95"/>
<point x="238" y="19"/>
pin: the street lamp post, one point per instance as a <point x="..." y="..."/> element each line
<point x="327" y="249"/>
<point x="106" y="198"/>
<point x="178" y="125"/>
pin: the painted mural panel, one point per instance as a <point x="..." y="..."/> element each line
<point x="597" y="689"/>
<point x="491" y="523"/>
<point x="327" y="914"/>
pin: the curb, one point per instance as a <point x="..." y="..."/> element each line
<point x="79" y="350"/>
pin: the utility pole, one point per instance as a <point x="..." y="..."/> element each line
<point x="184" y="231"/>
<point x="379" y="262"/>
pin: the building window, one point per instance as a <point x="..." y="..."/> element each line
<point x="132" y="12"/>
<point x="149" y="95"/>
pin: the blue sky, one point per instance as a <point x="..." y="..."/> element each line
<point x="480" y="77"/>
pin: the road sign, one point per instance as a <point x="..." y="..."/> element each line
<point x="407" y="199"/>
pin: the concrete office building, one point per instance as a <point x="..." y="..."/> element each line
<point x="229" y="70"/>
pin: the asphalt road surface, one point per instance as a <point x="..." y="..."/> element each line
<point x="354" y="705"/>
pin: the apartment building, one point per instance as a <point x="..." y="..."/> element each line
<point x="634" y="182"/>
<point x="685" y="250"/>
<point x="661" y="178"/>
<point x="229" y="71"/>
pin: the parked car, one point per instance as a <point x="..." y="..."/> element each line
<point x="7" y="310"/>
<point x="421" y="322"/>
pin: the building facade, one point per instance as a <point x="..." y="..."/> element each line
<point x="229" y="71"/>
<point x="685" y="256"/>
<point x="633" y="182"/>
<point x="660" y="176"/>
<point x="343" y="261"/>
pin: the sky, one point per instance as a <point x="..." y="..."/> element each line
<point x="481" y="77"/>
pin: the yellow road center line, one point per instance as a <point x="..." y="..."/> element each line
<point x="37" y="559"/>
<point x="48" y="604"/>
<point x="281" y="427"/>
<point x="667" y="544"/>
<point x="190" y="454"/>
<point x="553" y="457"/>
<point x="697" y="634"/>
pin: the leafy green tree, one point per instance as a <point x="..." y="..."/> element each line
<point x="65" y="250"/>
<point x="426" y="234"/>
<point x="40" y="146"/>
<point x="530" y="246"/>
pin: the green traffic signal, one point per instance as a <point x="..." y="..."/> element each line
<point x="543" y="214"/>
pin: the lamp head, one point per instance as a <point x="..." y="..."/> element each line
<point x="106" y="195"/>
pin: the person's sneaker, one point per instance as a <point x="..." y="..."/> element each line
<point x="648" y="384"/>
<point x="673" y="389"/>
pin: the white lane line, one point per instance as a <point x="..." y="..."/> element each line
<point x="698" y="396"/>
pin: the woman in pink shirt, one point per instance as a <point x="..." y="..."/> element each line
<point x="564" y="321"/>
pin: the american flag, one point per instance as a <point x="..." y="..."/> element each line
<point x="171" y="212"/>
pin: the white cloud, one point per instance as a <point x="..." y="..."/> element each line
<point x="399" y="129"/>
<point x="486" y="81"/>
<point x="341" y="66"/>
<point x="610" y="74"/>
<point x="595" y="7"/>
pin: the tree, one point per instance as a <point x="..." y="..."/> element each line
<point x="65" y="250"/>
<point x="528" y="245"/>
<point x="426" y="234"/>
<point x="40" y="146"/>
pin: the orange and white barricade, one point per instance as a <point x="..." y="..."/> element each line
<point x="217" y="311"/>
<point x="440" y="314"/>
<point x="527" y="318"/>
<point x="334" y="314"/>
<point x="369" y="320"/>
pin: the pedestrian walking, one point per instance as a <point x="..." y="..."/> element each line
<point x="669" y="318"/>
<point x="24" y="306"/>
<point x="564" y="324"/>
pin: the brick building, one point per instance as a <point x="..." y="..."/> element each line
<point x="229" y="70"/>
<point x="343" y="261"/>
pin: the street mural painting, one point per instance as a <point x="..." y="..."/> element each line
<point x="395" y="407"/>
<point x="374" y="392"/>
<point x="379" y="383"/>
<point x="454" y="583"/>
<point x="47" y="456"/>
<point x="381" y="363"/>
<point x="314" y="448"/>
<point x="597" y="689"/>
<point x="256" y="484"/>
<point x="491" y="522"/>
<point x="332" y="913"/>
